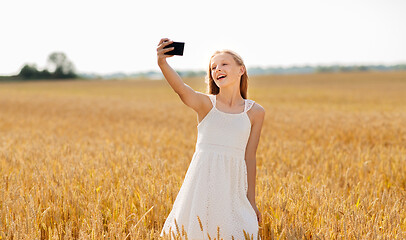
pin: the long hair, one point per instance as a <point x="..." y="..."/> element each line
<point x="212" y="88"/>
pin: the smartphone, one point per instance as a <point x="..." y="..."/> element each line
<point x="178" y="48"/>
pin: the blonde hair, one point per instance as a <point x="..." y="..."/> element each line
<point x="212" y="88"/>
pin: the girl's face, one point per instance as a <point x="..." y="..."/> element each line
<point x="225" y="71"/>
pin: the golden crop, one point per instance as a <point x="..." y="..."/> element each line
<point x="106" y="159"/>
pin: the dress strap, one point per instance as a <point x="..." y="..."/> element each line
<point x="213" y="99"/>
<point x="248" y="104"/>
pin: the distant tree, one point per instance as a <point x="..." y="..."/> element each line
<point x="45" y="74"/>
<point x="28" y="71"/>
<point x="324" y="69"/>
<point x="345" y="69"/>
<point x="61" y="66"/>
<point x="400" y="67"/>
<point x="362" y="68"/>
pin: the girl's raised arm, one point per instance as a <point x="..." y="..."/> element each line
<point x="190" y="97"/>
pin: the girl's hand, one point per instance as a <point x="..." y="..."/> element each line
<point x="259" y="216"/>
<point x="161" y="51"/>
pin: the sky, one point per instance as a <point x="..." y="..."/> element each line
<point x="121" y="36"/>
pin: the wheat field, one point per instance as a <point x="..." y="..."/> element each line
<point x="105" y="159"/>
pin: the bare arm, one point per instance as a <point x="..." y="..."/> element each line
<point x="189" y="97"/>
<point x="258" y="115"/>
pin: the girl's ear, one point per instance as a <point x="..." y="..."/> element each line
<point x="242" y="70"/>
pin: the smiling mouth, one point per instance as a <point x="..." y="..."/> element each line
<point x="221" y="77"/>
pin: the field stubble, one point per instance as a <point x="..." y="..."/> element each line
<point x="88" y="159"/>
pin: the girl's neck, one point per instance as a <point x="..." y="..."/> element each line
<point x="230" y="97"/>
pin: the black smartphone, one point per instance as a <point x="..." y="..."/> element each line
<point x="178" y="48"/>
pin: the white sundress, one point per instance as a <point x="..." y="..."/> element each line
<point x="215" y="185"/>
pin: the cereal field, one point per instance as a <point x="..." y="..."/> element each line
<point x="105" y="159"/>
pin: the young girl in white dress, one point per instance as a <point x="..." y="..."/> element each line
<point x="218" y="193"/>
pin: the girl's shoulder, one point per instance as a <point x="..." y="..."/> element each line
<point x="256" y="106"/>
<point x="212" y="97"/>
<point x="256" y="110"/>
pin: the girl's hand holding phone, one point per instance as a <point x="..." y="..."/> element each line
<point x="161" y="50"/>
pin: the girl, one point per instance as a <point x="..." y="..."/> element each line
<point x="218" y="192"/>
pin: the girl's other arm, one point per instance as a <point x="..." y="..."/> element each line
<point x="188" y="96"/>
<point x="258" y="115"/>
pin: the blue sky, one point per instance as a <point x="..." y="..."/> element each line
<point x="121" y="36"/>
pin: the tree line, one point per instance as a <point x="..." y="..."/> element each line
<point x="59" y="67"/>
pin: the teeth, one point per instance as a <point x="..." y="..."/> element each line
<point x="221" y="76"/>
